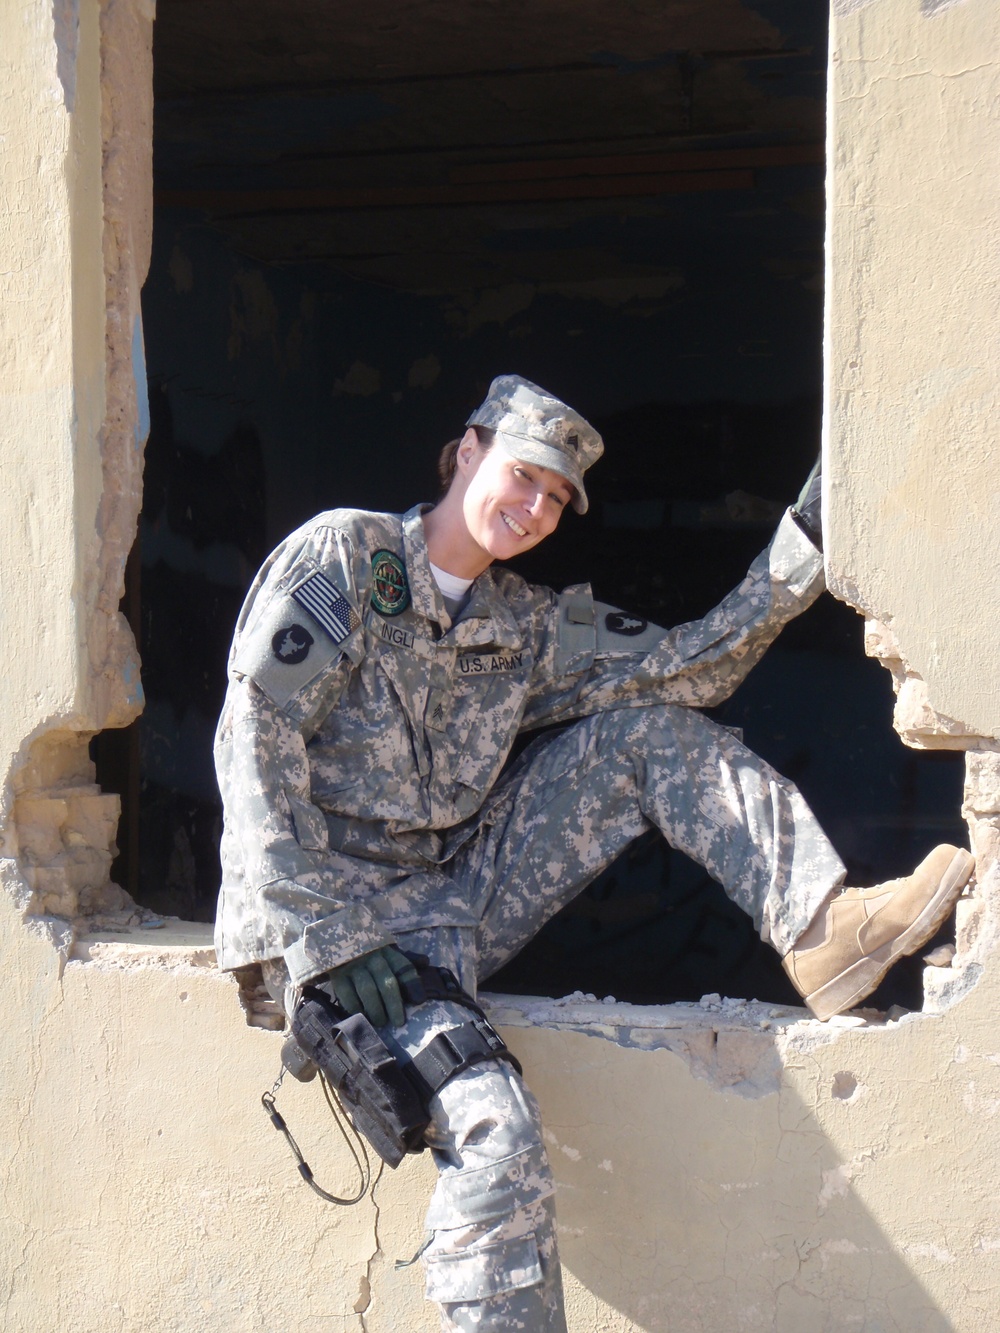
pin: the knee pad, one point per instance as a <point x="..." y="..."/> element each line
<point x="490" y="1190"/>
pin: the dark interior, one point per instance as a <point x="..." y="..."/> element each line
<point x="365" y="213"/>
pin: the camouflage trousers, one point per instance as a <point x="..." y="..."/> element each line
<point x="577" y="797"/>
<point x="567" y="807"/>
<point x="492" y="1262"/>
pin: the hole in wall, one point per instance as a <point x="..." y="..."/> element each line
<point x="843" y="1086"/>
<point x="357" y="225"/>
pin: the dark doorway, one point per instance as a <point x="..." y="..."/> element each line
<point x="362" y="215"/>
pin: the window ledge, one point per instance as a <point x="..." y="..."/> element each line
<point x="174" y="943"/>
<point x="738" y="1045"/>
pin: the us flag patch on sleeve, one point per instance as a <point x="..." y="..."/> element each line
<point x="328" y="606"/>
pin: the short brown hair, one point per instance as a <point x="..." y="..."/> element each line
<point x="446" y="459"/>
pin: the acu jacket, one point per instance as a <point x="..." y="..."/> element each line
<point x="363" y="731"/>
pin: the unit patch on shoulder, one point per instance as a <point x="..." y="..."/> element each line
<point x="328" y="606"/>
<point x="291" y="644"/>
<point x="617" y="622"/>
<point x="391" y="591"/>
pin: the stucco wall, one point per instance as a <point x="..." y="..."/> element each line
<point x="911" y="336"/>
<point x="75" y="233"/>
<point x="718" y="1170"/>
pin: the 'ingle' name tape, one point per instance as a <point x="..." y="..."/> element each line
<point x="394" y="634"/>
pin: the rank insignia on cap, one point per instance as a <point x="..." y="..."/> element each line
<point x="328" y="606"/>
<point x="390" y="591"/>
<point x="618" y="622"/>
<point x="534" y="427"/>
<point x="291" y="644"/>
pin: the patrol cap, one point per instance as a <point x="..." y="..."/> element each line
<point x="534" y="427"/>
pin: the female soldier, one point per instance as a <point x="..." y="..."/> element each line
<point x="381" y="670"/>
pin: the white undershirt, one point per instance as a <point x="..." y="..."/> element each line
<point x="454" y="590"/>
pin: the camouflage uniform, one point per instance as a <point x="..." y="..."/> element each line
<point x="359" y="757"/>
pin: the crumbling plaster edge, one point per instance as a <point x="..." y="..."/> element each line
<point x="55" y="931"/>
<point x="71" y="721"/>
<point x="110" y="229"/>
<point x="915" y="720"/>
<point x="740" y="1047"/>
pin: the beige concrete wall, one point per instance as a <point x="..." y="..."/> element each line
<point x="72" y="161"/>
<point x="718" y="1169"/>
<point x="912" y="368"/>
<point x="740" y="1169"/>
<point x="74" y="237"/>
<point x="51" y="364"/>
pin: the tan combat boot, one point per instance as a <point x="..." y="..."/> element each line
<point x="859" y="933"/>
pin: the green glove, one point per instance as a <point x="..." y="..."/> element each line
<point x="371" y="985"/>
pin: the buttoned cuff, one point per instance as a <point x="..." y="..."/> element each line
<point x="794" y="560"/>
<point x="338" y="938"/>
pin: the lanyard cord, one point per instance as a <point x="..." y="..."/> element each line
<point x="305" y="1170"/>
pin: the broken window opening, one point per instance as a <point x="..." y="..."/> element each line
<point x="347" y="248"/>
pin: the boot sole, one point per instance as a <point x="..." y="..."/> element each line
<point x="861" y="978"/>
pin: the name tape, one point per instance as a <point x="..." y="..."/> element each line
<point x="466" y="664"/>
<point x="479" y="664"/>
<point x="394" y="634"/>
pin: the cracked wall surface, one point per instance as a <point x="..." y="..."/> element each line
<point x="913" y="506"/>
<point x="73" y="420"/>
<point x="848" y="1182"/>
<point x="723" y="1166"/>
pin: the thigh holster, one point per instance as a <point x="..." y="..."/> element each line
<point x="387" y="1098"/>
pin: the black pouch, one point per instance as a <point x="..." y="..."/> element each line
<point x="379" y="1093"/>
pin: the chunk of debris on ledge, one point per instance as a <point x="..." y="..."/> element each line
<point x="737" y="1045"/>
<point x="172" y="943"/>
<point x="581" y="1009"/>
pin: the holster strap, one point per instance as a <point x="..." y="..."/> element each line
<point x="450" y="1052"/>
<point x="433" y="983"/>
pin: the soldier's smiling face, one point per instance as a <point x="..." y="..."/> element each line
<point x="509" y="506"/>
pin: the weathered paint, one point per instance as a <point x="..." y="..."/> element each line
<point x="911" y="326"/>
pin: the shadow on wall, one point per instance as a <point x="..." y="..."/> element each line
<point x="758" y="1227"/>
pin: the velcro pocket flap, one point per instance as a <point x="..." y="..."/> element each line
<point x="288" y="647"/>
<point x="310" y="824"/>
<point x="577" y="636"/>
<point x="507" y="1265"/>
<point x="484" y="1193"/>
<point x="622" y="632"/>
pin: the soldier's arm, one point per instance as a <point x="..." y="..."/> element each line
<point x="277" y="845"/>
<point x="297" y="645"/>
<point x="599" y="657"/>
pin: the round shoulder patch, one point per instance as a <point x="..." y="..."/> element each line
<point x="291" y="644"/>
<point x="391" y="593"/>
<point x="618" y="622"/>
